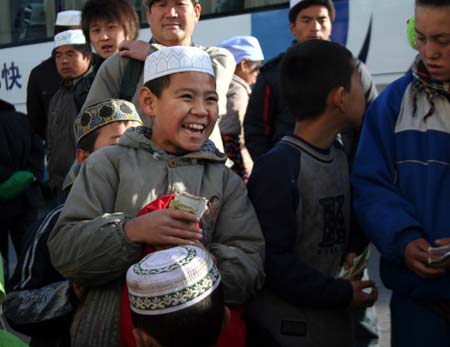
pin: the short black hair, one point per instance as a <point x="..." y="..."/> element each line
<point x="196" y="326"/>
<point x="437" y="3"/>
<point x="158" y="84"/>
<point x="294" y="11"/>
<point x="121" y="11"/>
<point x="309" y="71"/>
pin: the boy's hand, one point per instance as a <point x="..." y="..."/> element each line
<point x="136" y="49"/>
<point x="164" y="227"/>
<point x="416" y="258"/>
<point x="363" y="298"/>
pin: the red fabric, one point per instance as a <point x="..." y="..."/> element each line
<point x="233" y="335"/>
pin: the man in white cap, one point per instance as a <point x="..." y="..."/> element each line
<point x="267" y="118"/>
<point x="193" y="313"/>
<point x="172" y="24"/>
<point x="44" y="78"/>
<point x="100" y="234"/>
<point x="73" y="59"/>
<point x="249" y="57"/>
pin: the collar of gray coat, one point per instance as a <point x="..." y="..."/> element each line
<point x="140" y="137"/>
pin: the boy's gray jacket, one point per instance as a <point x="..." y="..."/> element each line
<point x="88" y="244"/>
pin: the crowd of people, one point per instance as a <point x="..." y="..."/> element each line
<point x="163" y="193"/>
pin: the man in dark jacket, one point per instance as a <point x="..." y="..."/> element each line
<point x="21" y="163"/>
<point x="267" y="119"/>
<point x="44" y="79"/>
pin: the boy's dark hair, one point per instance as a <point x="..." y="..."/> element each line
<point x="158" y="84"/>
<point x="121" y="11"/>
<point x="196" y="326"/>
<point x="310" y="71"/>
<point x="149" y="3"/>
<point x="294" y="11"/>
<point x="437" y="3"/>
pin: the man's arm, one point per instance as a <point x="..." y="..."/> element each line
<point x="258" y="118"/>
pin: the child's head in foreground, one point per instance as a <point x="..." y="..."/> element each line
<point x="317" y="76"/>
<point x="179" y="95"/>
<point x="176" y="298"/>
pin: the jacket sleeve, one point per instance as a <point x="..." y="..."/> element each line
<point x="274" y="193"/>
<point x="88" y="244"/>
<point x="107" y="81"/>
<point x="257" y="122"/>
<point x="35" y="108"/>
<point x="238" y="244"/>
<point x="384" y="214"/>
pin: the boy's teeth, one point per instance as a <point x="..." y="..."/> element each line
<point x="195" y="126"/>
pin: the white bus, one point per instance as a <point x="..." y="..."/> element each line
<point x="374" y="30"/>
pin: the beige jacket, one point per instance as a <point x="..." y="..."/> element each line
<point x="89" y="247"/>
<point x="109" y="77"/>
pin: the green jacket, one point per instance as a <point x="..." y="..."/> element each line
<point x="89" y="247"/>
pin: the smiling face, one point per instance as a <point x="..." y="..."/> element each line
<point x="185" y="113"/>
<point x="313" y="22"/>
<point x="172" y="22"/>
<point x="433" y="39"/>
<point x="70" y="62"/>
<point x="106" y="37"/>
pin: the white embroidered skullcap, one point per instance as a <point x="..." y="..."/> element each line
<point x="68" y="18"/>
<point x="292" y="3"/>
<point x="170" y="60"/>
<point x="243" y="47"/>
<point x="70" y="37"/>
<point x="171" y="280"/>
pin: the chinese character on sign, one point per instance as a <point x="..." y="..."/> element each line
<point x="11" y="76"/>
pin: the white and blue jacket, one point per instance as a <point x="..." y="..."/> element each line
<point x="401" y="181"/>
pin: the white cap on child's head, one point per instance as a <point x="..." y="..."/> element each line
<point x="243" y="47"/>
<point x="169" y="60"/>
<point x="171" y="280"/>
<point x="68" y="18"/>
<point x="70" y="37"/>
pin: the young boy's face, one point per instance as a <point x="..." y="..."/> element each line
<point x="106" y="37"/>
<point x="172" y="22"/>
<point x="185" y="113"/>
<point x="354" y="102"/>
<point x="433" y="40"/>
<point x="70" y="62"/>
<point x="313" y="22"/>
<point x="110" y="133"/>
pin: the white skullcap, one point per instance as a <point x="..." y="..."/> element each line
<point x="244" y="47"/>
<point x="292" y="3"/>
<point x="171" y="280"/>
<point x="170" y="60"/>
<point x="70" y="37"/>
<point x="68" y="18"/>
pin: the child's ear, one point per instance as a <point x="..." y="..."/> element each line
<point x="337" y="98"/>
<point x="143" y="339"/>
<point x="147" y="101"/>
<point x="81" y="155"/>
